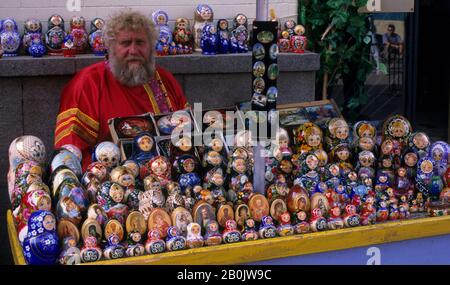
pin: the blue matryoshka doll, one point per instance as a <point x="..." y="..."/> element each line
<point x="224" y="36"/>
<point x="209" y="40"/>
<point x="41" y="246"/>
<point x="174" y="240"/>
<point x="439" y="152"/>
<point x="267" y="229"/>
<point x="9" y="37"/>
<point x="143" y="148"/>
<point x="186" y="166"/>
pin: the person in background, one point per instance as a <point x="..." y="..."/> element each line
<point x="392" y="42"/>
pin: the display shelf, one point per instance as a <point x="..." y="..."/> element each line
<point x="259" y="250"/>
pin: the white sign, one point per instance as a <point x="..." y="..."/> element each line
<point x="73" y="5"/>
<point x="388" y="6"/>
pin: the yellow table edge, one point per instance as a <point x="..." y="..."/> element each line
<point x="252" y="251"/>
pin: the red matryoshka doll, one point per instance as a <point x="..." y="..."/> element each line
<point x="298" y="41"/>
<point x="284" y="43"/>
<point x="351" y="218"/>
<point x="317" y="221"/>
<point x="79" y="34"/>
<point x="335" y="221"/>
<point x="285" y="227"/>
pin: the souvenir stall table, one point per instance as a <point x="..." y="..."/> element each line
<point x="322" y="190"/>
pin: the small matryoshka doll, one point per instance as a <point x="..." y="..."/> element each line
<point x="283" y="143"/>
<point x="175" y="241"/>
<point x="323" y="161"/>
<point x="249" y="232"/>
<point x="397" y="128"/>
<point x="230" y="233"/>
<point x="382" y="182"/>
<point x="366" y="164"/>
<point x="439" y="152"/>
<point x="33" y="37"/>
<point x="96" y="37"/>
<point x="239" y="174"/>
<point x="144" y="148"/>
<point x="212" y="235"/>
<point x="341" y="154"/>
<point x="308" y="137"/>
<point x="393" y="211"/>
<point x="333" y="177"/>
<point x="334" y="220"/>
<point x="301" y="223"/>
<point x="33" y="200"/>
<point x="79" y="34"/>
<point x="90" y="252"/>
<point x="310" y="177"/>
<point x="203" y="15"/>
<point x="70" y="254"/>
<point x="186" y="167"/>
<point x="107" y="153"/>
<point x="114" y="249"/>
<point x="99" y="170"/>
<point x="289" y="26"/>
<point x="382" y="212"/>
<point x="337" y="132"/>
<point x="124" y="178"/>
<point x="194" y="237"/>
<point x="368" y="213"/>
<point x="9" y="37"/>
<point x="182" y="146"/>
<point x="239" y="40"/>
<point x="134" y="245"/>
<point x="267" y="229"/>
<point x="174" y="198"/>
<point x="215" y="155"/>
<point x="240" y="24"/>
<point x="182" y="34"/>
<point x="41" y="246"/>
<point x="214" y="181"/>
<point x="159" y="167"/>
<point x="402" y="183"/>
<point x="285" y="228"/>
<point x="419" y="142"/>
<point x="223" y="36"/>
<point x="111" y="199"/>
<point x="154" y="243"/>
<point x="317" y="221"/>
<point x="424" y="176"/>
<point x="164" y="41"/>
<point x="54" y="38"/>
<point x="410" y="159"/>
<point x="298" y="41"/>
<point x="284" y="43"/>
<point x="351" y="218"/>
<point x="447" y="177"/>
<point x="209" y="40"/>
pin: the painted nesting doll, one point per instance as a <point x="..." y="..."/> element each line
<point x="182" y="34"/>
<point x="79" y="34"/>
<point x="267" y="228"/>
<point x="54" y="38"/>
<point x="9" y="37"/>
<point x="203" y="15"/>
<point x="144" y="148"/>
<point x="298" y="41"/>
<point x="41" y="246"/>
<point x="187" y="168"/>
<point x="96" y="37"/>
<point x="308" y="137"/>
<point x="397" y="128"/>
<point x="337" y="132"/>
<point x="223" y="36"/>
<point x="114" y="249"/>
<point x="71" y="254"/>
<point x="209" y="40"/>
<point x="33" y="40"/>
<point x="212" y="235"/>
<point x="240" y="29"/>
<point x="284" y="43"/>
<point x="439" y="151"/>
<point x="107" y="153"/>
<point x="174" y="241"/>
<point x="111" y="199"/>
<point x="91" y="252"/>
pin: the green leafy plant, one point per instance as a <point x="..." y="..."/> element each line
<point x="341" y="35"/>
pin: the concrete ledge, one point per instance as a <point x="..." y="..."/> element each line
<point x="181" y="64"/>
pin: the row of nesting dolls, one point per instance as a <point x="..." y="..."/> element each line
<point x="403" y="155"/>
<point x="292" y="38"/>
<point x="206" y="37"/>
<point x="36" y="44"/>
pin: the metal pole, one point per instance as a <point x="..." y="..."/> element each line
<point x="262" y="10"/>
<point x="411" y="63"/>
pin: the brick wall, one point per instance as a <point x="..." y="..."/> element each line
<point x="21" y="10"/>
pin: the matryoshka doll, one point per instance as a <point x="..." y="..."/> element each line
<point x="99" y="170"/>
<point x="111" y="199"/>
<point x="333" y="176"/>
<point x="186" y="167"/>
<point x="154" y="243"/>
<point x="439" y="152"/>
<point x="79" y="34"/>
<point x="164" y="42"/>
<point x="96" y="37"/>
<point x="382" y="212"/>
<point x="308" y="137"/>
<point x="212" y="235"/>
<point x="301" y="223"/>
<point x="285" y="227"/>
<point x="134" y="245"/>
<point x="174" y="198"/>
<point x="419" y="142"/>
<point x="393" y="212"/>
<point x="317" y="221"/>
<point x="9" y="37"/>
<point x="298" y="40"/>
<point x="323" y="162"/>
<point x="284" y="43"/>
<point x="122" y="176"/>
<point x="334" y="220"/>
<point x="240" y="29"/>
<point x="33" y="40"/>
<point x="71" y="254"/>
<point x="410" y="159"/>
<point x="397" y="128"/>
<point x="223" y="36"/>
<point x="144" y="148"/>
<point x="402" y="183"/>
<point x="351" y="218"/>
<point x="337" y="132"/>
<point x="152" y="197"/>
<point x="289" y="26"/>
<point x="310" y="177"/>
<point x="215" y="155"/>
<point x="366" y="164"/>
<point x="67" y="158"/>
<point x="267" y="229"/>
<point x="54" y="38"/>
<point x="182" y="34"/>
<point x="114" y="249"/>
<point x="203" y="15"/>
<point x="41" y="246"/>
<point x="249" y="232"/>
<point x="214" y="181"/>
<point x="107" y="153"/>
<point x="209" y="40"/>
<point x="194" y="237"/>
<point x="239" y="175"/>
<point x="174" y="241"/>
<point x="24" y="175"/>
<point x="159" y="167"/>
<point x="341" y="155"/>
<point x="424" y="176"/>
<point x="368" y="212"/>
<point x="90" y="252"/>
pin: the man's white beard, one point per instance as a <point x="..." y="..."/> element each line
<point x="134" y="75"/>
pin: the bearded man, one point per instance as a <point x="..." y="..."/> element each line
<point x="127" y="84"/>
